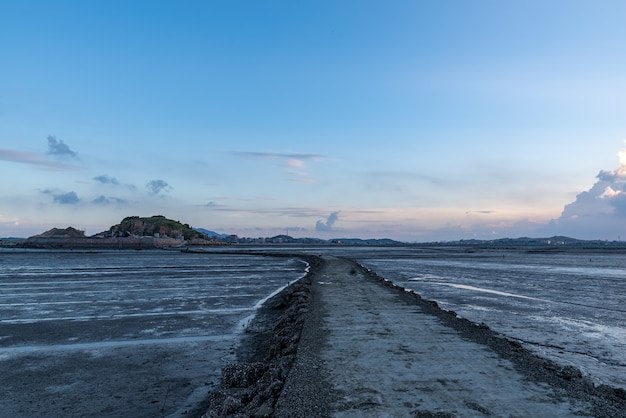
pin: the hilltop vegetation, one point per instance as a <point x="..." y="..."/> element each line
<point x="149" y="226"/>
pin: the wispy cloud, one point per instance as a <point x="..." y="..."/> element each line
<point x="58" y="148"/>
<point x="110" y="181"/>
<point x="22" y="157"/>
<point x="158" y="186"/>
<point x="105" y="179"/>
<point x="106" y="201"/>
<point x="289" y="211"/>
<point x="294" y="163"/>
<point x="379" y="175"/>
<point x="291" y="157"/>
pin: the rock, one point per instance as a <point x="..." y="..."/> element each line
<point x="251" y="389"/>
<point x="230" y="405"/>
<point x="241" y="375"/>
<point x="570" y="372"/>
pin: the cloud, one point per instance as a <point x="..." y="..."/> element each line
<point x="291" y="158"/>
<point x="105" y="201"/>
<point x="69" y="198"/>
<point x="58" y="148"/>
<point x="295" y="163"/>
<point x="157" y="186"/>
<point x="105" y="179"/>
<point x="32" y="159"/>
<point x="599" y="212"/>
<point x="295" y="212"/>
<point x="328" y="225"/>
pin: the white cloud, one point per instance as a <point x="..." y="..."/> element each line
<point x="328" y="225"/>
<point x="600" y="212"/>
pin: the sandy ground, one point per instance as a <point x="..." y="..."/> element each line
<point x="369" y="350"/>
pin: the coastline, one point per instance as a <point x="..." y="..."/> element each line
<point x="279" y="371"/>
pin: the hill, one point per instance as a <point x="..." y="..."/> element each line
<point x="68" y="232"/>
<point x="132" y="233"/>
<point x="153" y="226"/>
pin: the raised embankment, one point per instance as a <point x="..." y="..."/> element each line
<point x="345" y="342"/>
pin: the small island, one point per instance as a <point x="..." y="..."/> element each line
<point x="132" y="232"/>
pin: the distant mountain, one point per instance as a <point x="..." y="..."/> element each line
<point x="548" y="242"/>
<point x="210" y="233"/>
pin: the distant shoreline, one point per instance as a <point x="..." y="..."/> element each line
<point x="537" y="246"/>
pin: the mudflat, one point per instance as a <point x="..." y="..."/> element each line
<point x="369" y="348"/>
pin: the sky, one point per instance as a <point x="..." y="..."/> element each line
<point x="411" y="120"/>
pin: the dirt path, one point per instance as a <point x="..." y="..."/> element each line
<point x="366" y="350"/>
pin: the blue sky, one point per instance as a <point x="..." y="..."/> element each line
<point x="411" y="120"/>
